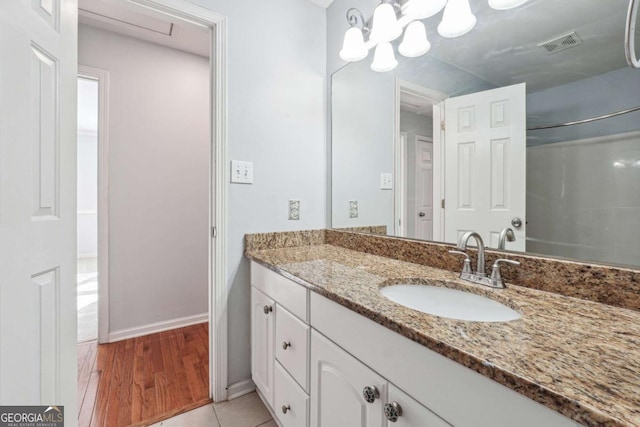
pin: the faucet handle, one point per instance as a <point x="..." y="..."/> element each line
<point x="466" y="266"/>
<point x="496" y="277"/>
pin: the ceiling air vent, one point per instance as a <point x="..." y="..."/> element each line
<point x="560" y="43"/>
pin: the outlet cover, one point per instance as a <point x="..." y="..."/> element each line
<point x="386" y="181"/>
<point x="353" y="209"/>
<point x="294" y="210"/>
<point x="241" y="172"/>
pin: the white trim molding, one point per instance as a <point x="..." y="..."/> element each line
<point x="102" y="77"/>
<point x="240" y="389"/>
<point x="218" y="294"/>
<point x="154" y="328"/>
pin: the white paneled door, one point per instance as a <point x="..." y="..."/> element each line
<point x="424" y="189"/>
<point x="485" y="164"/>
<point x="38" y="71"/>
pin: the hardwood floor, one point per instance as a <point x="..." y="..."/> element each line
<point x="143" y="380"/>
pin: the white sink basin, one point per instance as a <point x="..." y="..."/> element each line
<point x="450" y="303"/>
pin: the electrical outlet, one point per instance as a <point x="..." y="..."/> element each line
<point x="294" y="210"/>
<point x="353" y="209"/>
<point x="386" y="181"/>
<point x="241" y="172"/>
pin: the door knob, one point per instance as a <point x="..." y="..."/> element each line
<point x="421" y="214"/>
<point x="370" y="393"/>
<point x="516" y="222"/>
<point x="392" y="411"/>
<point x="286" y="408"/>
<point x="286" y="345"/>
<point x="267" y="309"/>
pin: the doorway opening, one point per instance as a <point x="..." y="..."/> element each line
<point x="415" y="161"/>
<point x="166" y="144"/>
<point x="87" y="209"/>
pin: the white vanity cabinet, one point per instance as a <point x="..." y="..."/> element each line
<point x="262" y="323"/>
<point x="280" y="338"/>
<point x="319" y="364"/>
<point x="338" y="383"/>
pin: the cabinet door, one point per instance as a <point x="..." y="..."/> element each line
<point x="262" y="336"/>
<point x="337" y="384"/>
<point x="403" y="411"/>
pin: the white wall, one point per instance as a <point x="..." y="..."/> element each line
<point x="87" y="202"/>
<point x="158" y="166"/>
<point x="276" y="113"/>
<point x="363" y="131"/>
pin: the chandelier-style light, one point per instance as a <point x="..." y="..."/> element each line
<point x="389" y="20"/>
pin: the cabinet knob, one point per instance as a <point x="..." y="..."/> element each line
<point x="392" y="411"/>
<point x="370" y="393"/>
<point x="285" y="345"/>
<point x="285" y="408"/>
<point x="267" y="309"/>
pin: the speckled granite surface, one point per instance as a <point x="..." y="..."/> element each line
<point x="608" y="285"/>
<point x="577" y="357"/>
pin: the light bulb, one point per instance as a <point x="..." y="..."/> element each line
<point x="421" y="9"/>
<point x="506" y="4"/>
<point x="383" y="58"/>
<point x="385" y="27"/>
<point x="457" y="19"/>
<point x="415" y="41"/>
<point x="353" y="48"/>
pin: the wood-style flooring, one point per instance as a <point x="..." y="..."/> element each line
<point x="143" y="380"/>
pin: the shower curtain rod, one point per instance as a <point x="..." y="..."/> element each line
<point x="593" y="119"/>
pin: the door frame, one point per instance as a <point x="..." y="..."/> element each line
<point x="218" y="179"/>
<point x="400" y="186"/>
<point x="102" y="77"/>
<point x="437" y="98"/>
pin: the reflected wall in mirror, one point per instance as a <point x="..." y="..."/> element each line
<point x="492" y="132"/>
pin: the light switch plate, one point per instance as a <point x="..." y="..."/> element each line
<point x="294" y="210"/>
<point x="386" y="181"/>
<point x="353" y="209"/>
<point x="241" y="172"/>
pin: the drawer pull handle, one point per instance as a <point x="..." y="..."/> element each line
<point x="285" y="408"/>
<point x="267" y="309"/>
<point x="370" y="393"/>
<point x="285" y="345"/>
<point x="392" y="411"/>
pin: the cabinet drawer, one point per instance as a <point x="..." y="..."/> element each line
<point x="292" y="345"/>
<point x="292" y="296"/>
<point x="412" y="413"/>
<point x="290" y="402"/>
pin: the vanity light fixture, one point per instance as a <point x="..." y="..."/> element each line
<point x="383" y="58"/>
<point x="385" y="26"/>
<point x="457" y="19"/>
<point x="389" y="19"/>
<point x="415" y="41"/>
<point x="353" y="47"/>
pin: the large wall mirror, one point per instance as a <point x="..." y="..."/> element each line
<point x="526" y="129"/>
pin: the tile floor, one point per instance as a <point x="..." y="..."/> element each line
<point x="245" y="411"/>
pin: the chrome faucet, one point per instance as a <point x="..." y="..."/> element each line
<point x="462" y="244"/>
<point x="479" y="276"/>
<point x="506" y="235"/>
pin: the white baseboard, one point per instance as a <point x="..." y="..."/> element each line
<point x="153" y="328"/>
<point x="240" y="389"/>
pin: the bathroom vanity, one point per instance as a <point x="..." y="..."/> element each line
<point x="328" y="349"/>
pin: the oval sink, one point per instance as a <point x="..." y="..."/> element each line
<point x="451" y="303"/>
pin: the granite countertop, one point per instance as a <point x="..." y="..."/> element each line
<point x="577" y="357"/>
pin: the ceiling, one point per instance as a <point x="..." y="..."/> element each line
<point x="142" y="23"/>
<point x="504" y="48"/>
